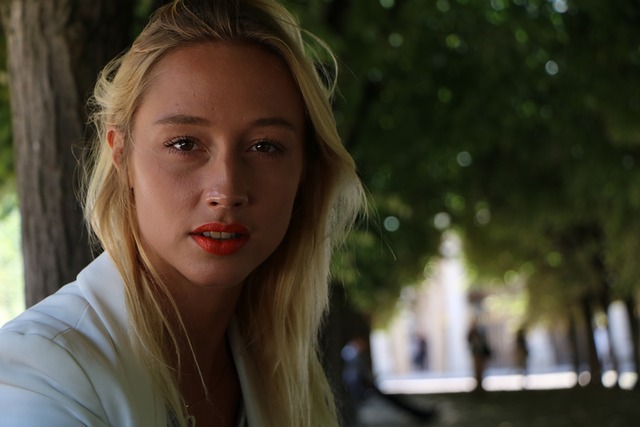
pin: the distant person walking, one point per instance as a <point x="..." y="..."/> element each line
<point x="522" y="351"/>
<point x="521" y="354"/>
<point x="419" y="357"/>
<point x="480" y="351"/>
<point x="355" y="372"/>
<point x="357" y="378"/>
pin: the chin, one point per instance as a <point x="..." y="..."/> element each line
<point x="217" y="282"/>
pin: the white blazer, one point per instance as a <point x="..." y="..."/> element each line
<point x="68" y="361"/>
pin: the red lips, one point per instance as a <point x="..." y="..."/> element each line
<point x="221" y="239"/>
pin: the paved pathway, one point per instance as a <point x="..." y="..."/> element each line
<point x="504" y="404"/>
<point x="378" y="412"/>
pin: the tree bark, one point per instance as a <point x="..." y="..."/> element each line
<point x="55" y="50"/>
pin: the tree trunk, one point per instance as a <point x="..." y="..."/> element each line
<point x="594" y="362"/>
<point x="630" y="305"/>
<point x="605" y="301"/>
<point x="613" y="354"/>
<point x="55" y="50"/>
<point x="573" y="340"/>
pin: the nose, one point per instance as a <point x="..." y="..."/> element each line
<point x="227" y="183"/>
<point x="226" y="200"/>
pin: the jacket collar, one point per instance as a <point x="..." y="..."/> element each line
<point x="103" y="287"/>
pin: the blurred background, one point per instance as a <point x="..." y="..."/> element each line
<point x="499" y="141"/>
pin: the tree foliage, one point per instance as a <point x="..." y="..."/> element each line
<point x="513" y="122"/>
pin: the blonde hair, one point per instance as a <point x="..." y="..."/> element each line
<point x="285" y="298"/>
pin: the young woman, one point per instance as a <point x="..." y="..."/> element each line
<point x="218" y="189"/>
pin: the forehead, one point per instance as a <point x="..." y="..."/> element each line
<point x="210" y="75"/>
<point x="220" y="54"/>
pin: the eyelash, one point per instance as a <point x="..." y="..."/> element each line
<point x="278" y="148"/>
<point x="180" y="139"/>
<point x="273" y="145"/>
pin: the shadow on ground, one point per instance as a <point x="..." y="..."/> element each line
<point x="577" y="407"/>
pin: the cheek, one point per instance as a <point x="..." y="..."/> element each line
<point x="160" y="195"/>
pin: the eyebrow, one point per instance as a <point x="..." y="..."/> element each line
<point x="182" y="119"/>
<point x="275" y="121"/>
<point x="185" y="119"/>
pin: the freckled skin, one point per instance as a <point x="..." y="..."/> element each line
<point x="218" y="138"/>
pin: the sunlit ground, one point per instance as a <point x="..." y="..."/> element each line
<point x="497" y="381"/>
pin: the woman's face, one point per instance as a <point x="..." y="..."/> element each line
<point x="216" y="162"/>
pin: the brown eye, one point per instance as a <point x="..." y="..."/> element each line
<point x="267" y="147"/>
<point x="181" y="144"/>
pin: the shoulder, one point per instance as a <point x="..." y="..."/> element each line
<point x="70" y="356"/>
<point x="68" y="321"/>
<point x="37" y="372"/>
<point x="53" y="316"/>
<point x="40" y="366"/>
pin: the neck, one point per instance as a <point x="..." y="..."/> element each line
<point x="214" y="399"/>
<point x="206" y="314"/>
<point x="206" y="359"/>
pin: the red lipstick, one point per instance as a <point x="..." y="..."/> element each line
<point x="221" y="239"/>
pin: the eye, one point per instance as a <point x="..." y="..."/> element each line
<point x="267" y="146"/>
<point x="181" y="144"/>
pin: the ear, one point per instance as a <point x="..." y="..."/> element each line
<point x="115" y="139"/>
